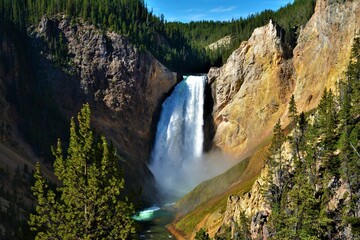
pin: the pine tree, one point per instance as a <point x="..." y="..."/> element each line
<point x="353" y="77"/>
<point x="350" y="137"/>
<point x="244" y="227"/>
<point x="89" y="204"/>
<point x="275" y="184"/>
<point x="326" y="122"/>
<point x="308" y="218"/>
<point x="297" y="135"/>
<point x="202" y="235"/>
<point x="276" y="162"/>
<point x="293" y="114"/>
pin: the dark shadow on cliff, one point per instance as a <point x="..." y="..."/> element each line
<point x="37" y="113"/>
<point x="209" y="124"/>
<point x="44" y="93"/>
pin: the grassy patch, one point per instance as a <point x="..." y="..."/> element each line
<point x="212" y="187"/>
<point x="207" y="202"/>
<point x="217" y="205"/>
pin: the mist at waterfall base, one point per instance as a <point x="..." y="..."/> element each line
<point x="178" y="162"/>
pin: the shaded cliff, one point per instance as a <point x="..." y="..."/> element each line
<point x="48" y="76"/>
<point x="125" y="86"/>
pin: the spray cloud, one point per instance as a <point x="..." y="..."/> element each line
<point x="178" y="163"/>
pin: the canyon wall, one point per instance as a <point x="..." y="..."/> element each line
<point x="253" y="88"/>
<point x="319" y="61"/>
<point x="252" y="91"/>
<point x="42" y="86"/>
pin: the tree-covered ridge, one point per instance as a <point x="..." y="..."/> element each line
<point x="180" y="46"/>
<point x="130" y="18"/>
<point x="202" y="33"/>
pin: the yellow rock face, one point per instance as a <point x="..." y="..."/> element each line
<point x="323" y="50"/>
<point x="252" y="90"/>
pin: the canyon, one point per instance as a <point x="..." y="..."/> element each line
<point x="251" y="93"/>
<point x="126" y="87"/>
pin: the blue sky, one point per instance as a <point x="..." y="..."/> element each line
<point x="195" y="10"/>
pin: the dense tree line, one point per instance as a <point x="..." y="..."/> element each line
<point x="130" y="18"/>
<point x="325" y="156"/>
<point x="203" y="33"/>
<point x="180" y="46"/>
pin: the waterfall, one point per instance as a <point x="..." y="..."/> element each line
<point x="179" y="138"/>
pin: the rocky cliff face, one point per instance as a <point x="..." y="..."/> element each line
<point x="252" y="205"/>
<point x="7" y="63"/>
<point x="125" y="87"/>
<point x="251" y="90"/>
<point x="257" y="210"/>
<point x="323" y="49"/>
<point x="244" y="112"/>
<point x="12" y="70"/>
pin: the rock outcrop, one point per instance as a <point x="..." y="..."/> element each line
<point x="323" y="50"/>
<point x="251" y="90"/>
<point x="124" y="86"/>
<point x="252" y="205"/>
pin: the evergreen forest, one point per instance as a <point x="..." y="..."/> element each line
<point x="89" y="194"/>
<point x="182" y="47"/>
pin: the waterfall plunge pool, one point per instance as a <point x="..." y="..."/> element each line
<point x="152" y="222"/>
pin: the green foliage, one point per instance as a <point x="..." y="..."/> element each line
<point x="352" y="78"/>
<point x="244" y="227"/>
<point x="349" y="143"/>
<point x="325" y="155"/>
<point x="202" y="235"/>
<point x="293" y="114"/>
<point x="327" y="118"/>
<point x="180" y="46"/>
<point x="276" y="167"/>
<point x="90" y="203"/>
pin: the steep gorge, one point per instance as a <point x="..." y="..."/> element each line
<point x="126" y="87"/>
<point x="252" y="91"/>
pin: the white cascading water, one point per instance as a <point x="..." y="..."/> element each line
<point x="178" y="148"/>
